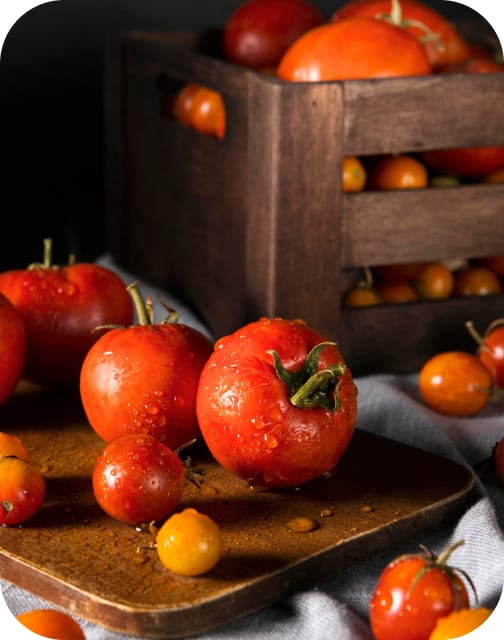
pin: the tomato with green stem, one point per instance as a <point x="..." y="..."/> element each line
<point x="13" y="347"/>
<point x="143" y="378"/>
<point x="62" y="307"/>
<point x="491" y="349"/>
<point x="413" y="592"/>
<point x="276" y="403"/>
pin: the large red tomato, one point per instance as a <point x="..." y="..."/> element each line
<point x="444" y="45"/>
<point x="412" y="593"/>
<point x="143" y="379"/>
<point x="276" y="403"/>
<point x="469" y="162"/>
<point x="258" y="32"/>
<point x="61" y="308"/>
<point x="12" y="347"/>
<point x="351" y="49"/>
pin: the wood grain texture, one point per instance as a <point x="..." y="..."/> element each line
<point x="74" y="555"/>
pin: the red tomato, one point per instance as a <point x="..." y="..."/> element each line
<point x="12" y="347"/>
<point x="469" y="162"/>
<point x="137" y="479"/>
<point x="491" y="349"/>
<point x="419" y="20"/>
<point x="352" y="49"/>
<point x="400" y="272"/>
<point x="258" y="32"/>
<point x="412" y="593"/>
<point x="455" y="383"/>
<point x="61" y="308"/>
<point x="494" y="263"/>
<point x="143" y="379"/>
<point x="22" y="490"/>
<point x="276" y="403"/>
<point x="51" y="623"/>
<point x="202" y="109"/>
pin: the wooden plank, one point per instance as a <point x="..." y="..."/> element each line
<point x="74" y="555"/>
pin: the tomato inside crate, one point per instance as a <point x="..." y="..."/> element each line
<point x="257" y="223"/>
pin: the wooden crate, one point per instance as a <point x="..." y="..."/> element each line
<point x="257" y="224"/>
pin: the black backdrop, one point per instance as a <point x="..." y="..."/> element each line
<point x="51" y="117"/>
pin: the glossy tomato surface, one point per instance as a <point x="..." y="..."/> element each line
<point x="476" y="281"/>
<point x="143" y="379"/>
<point x="398" y="172"/>
<point x="137" y="479"/>
<point x="62" y="308"/>
<point x="455" y="383"/>
<point x="419" y="19"/>
<point x="491" y="352"/>
<point x="22" y="490"/>
<point x="255" y="424"/>
<point x="258" y="32"/>
<point x="51" y="623"/>
<point x="353" y="49"/>
<point x="406" y="604"/>
<point x="12" y="347"/>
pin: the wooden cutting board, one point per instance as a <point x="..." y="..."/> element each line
<point x="74" y="555"/>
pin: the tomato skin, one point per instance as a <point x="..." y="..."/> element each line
<point x="362" y="296"/>
<point x="61" y="308"/>
<point x="51" y="623"/>
<point x="398" y="172"/>
<point x="396" y="614"/>
<point x="143" y="379"/>
<point x="189" y="543"/>
<point x="13" y="346"/>
<point x="434" y="281"/>
<point x="258" y="32"/>
<point x="247" y="418"/>
<point x="455" y="48"/>
<point x="12" y="446"/>
<point x="396" y="292"/>
<point x="355" y="48"/>
<point x="22" y="490"/>
<point x="491" y="353"/>
<point x="459" y="623"/>
<point x="354" y="175"/>
<point x="455" y="383"/>
<point x="137" y="479"/>
<point x="476" y="281"/>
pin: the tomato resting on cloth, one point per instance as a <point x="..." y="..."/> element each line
<point x="276" y="403"/>
<point x="62" y="307"/>
<point x="355" y="48"/>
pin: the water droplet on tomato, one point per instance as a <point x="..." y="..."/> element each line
<point x="271" y="441"/>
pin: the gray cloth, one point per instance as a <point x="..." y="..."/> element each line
<point x="389" y="406"/>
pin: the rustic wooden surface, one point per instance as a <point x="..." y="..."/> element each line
<point x="74" y="555"/>
<point x="257" y="224"/>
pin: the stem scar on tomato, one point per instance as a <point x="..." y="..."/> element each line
<point x="308" y="386"/>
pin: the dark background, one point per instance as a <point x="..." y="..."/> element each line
<point x="51" y="115"/>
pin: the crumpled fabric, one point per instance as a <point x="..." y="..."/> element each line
<point x="338" y="609"/>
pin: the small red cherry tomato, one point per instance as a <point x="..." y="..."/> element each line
<point x="12" y="347"/>
<point x="412" y="593"/>
<point x="62" y="308"/>
<point x="276" y="403"/>
<point x="455" y="383"/>
<point x="258" y="32"/>
<point x="143" y="379"/>
<point x="137" y="479"/>
<point x="189" y="543"/>
<point x="51" y="623"/>
<point x="22" y="490"/>
<point x="491" y="349"/>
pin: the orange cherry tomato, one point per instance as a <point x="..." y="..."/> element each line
<point x="458" y="623"/>
<point x="362" y="296"/>
<point x="475" y="65"/>
<point x="398" y="172"/>
<point x="434" y="281"/>
<point x="22" y="490"/>
<point x="499" y="459"/>
<point x="446" y="47"/>
<point x="12" y="446"/>
<point x="208" y="113"/>
<point x="51" y="623"/>
<point x="354" y="174"/>
<point x="455" y="383"/>
<point x="189" y="543"/>
<point x="183" y="103"/>
<point x="476" y="281"/>
<point x="396" y="292"/>
<point x="351" y="49"/>
<point x="494" y="177"/>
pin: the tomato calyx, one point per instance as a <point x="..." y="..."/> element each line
<point x="47" y="259"/>
<point x="144" y="308"/>
<point x="440" y="563"/>
<point x="395" y="17"/>
<point x="310" y="387"/>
